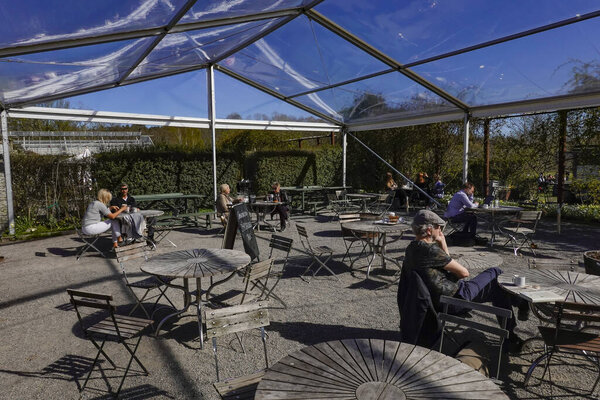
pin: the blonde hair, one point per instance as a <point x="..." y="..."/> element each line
<point x="104" y="196"/>
<point x="223" y="187"/>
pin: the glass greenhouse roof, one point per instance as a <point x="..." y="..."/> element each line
<point x="350" y="62"/>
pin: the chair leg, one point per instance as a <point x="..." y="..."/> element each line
<point x="323" y="265"/>
<point x="535" y="363"/>
<point x="100" y="351"/>
<point x="133" y="357"/>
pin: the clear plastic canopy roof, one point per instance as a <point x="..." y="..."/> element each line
<point x="350" y="62"/>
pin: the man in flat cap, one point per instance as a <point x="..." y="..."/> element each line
<point x="428" y="256"/>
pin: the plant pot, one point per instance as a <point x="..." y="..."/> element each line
<point x="591" y="261"/>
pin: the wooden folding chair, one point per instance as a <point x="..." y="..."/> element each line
<point x="320" y="254"/>
<point x="119" y="327"/>
<point x="256" y="276"/>
<point x="283" y="244"/>
<point x="569" y="338"/>
<point x="89" y="242"/>
<point x="501" y="313"/>
<point x="237" y="319"/>
<point x="159" y="284"/>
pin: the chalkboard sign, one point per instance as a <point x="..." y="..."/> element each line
<point x="239" y="217"/>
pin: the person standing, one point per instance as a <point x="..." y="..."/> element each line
<point x="92" y="223"/>
<point x="282" y="209"/>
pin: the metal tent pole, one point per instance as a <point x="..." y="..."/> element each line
<point x="7" y="174"/>
<point x="396" y="171"/>
<point x="344" y="149"/>
<point x="467" y="124"/>
<point x="210" y="77"/>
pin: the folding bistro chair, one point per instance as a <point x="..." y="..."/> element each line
<point x="119" y="327"/>
<point x="89" y="242"/>
<point x="522" y="229"/>
<point x="256" y="276"/>
<point x="236" y="319"/>
<point x="349" y="237"/>
<point x="283" y="244"/>
<point x="568" y="338"/>
<point x="159" y="284"/>
<point x="502" y="314"/>
<point x="320" y="254"/>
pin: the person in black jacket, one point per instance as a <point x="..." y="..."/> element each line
<point x="282" y="209"/>
<point x="123" y="198"/>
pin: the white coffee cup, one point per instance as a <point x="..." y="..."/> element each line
<point x="519" y="280"/>
<point x="485" y="206"/>
<point x="392" y="214"/>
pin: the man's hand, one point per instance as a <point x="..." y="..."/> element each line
<point x="441" y="241"/>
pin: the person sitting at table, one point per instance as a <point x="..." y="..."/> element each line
<point x="224" y="202"/>
<point x="122" y="198"/>
<point x="428" y="256"/>
<point x="92" y="223"/>
<point x="456" y="210"/>
<point x="395" y="191"/>
<point x="437" y="191"/>
<point x="281" y="209"/>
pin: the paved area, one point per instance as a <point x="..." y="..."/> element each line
<point x="43" y="354"/>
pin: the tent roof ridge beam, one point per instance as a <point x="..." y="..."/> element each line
<point x="361" y="78"/>
<point x="157" y="40"/>
<point x="507" y="38"/>
<point x="361" y="44"/>
<point x="277" y="95"/>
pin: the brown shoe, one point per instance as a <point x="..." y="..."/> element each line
<point x="115" y="245"/>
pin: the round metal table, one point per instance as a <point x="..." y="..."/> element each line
<point x="196" y="264"/>
<point x="367" y="369"/>
<point x="375" y="234"/>
<point x="493" y="215"/>
<point x="570" y="286"/>
<point x="261" y="208"/>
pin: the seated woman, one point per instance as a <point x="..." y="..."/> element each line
<point x="396" y="192"/>
<point x="93" y="224"/>
<point x="224" y="202"/>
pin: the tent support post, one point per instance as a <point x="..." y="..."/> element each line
<point x="7" y="174"/>
<point x="210" y="77"/>
<point x="562" y="149"/>
<point x="431" y="199"/>
<point x="344" y="149"/>
<point x="467" y="124"/>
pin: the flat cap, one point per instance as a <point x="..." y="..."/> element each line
<point x="425" y="217"/>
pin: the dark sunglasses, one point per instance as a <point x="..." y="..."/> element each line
<point x="124" y="188"/>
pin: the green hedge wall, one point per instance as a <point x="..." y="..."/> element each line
<point x="294" y="168"/>
<point x="166" y="171"/>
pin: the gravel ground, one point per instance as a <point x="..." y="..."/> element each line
<point x="43" y="355"/>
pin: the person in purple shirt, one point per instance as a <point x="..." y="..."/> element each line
<point x="456" y="209"/>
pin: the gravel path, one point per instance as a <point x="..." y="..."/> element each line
<point x="43" y="355"/>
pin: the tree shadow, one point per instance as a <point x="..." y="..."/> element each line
<point x="309" y="333"/>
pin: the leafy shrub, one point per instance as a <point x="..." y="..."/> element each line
<point x="582" y="212"/>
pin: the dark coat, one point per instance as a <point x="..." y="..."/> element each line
<point x="419" y="323"/>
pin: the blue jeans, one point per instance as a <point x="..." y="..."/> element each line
<point x="484" y="288"/>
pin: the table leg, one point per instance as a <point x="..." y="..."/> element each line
<point x="199" y="311"/>
<point x="187" y="299"/>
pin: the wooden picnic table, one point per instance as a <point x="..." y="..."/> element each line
<point x="364" y="198"/>
<point x="177" y="203"/>
<point x="304" y="190"/>
<point x="195" y="264"/>
<point x="367" y="369"/>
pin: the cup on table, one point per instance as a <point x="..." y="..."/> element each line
<point x="485" y="206"/>
<point x="519" y="280"/>
<point x="496" y="203"/>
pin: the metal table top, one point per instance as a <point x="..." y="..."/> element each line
<point x="196" y="263"/>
